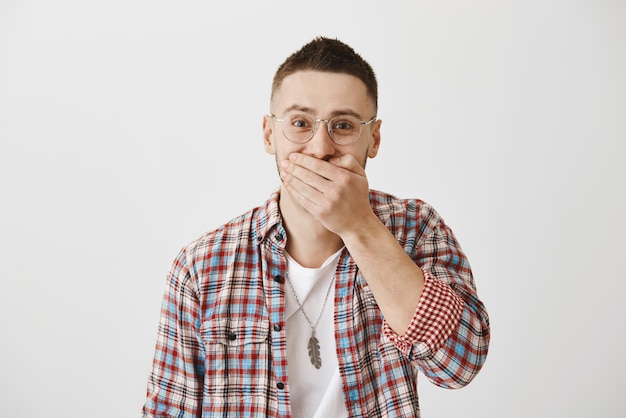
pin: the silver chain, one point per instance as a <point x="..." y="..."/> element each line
<point x="300" y="308"/>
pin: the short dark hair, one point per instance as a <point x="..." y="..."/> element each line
<point x="328" y="55"/>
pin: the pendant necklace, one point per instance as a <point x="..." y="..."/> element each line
<point x="314" y="344"/>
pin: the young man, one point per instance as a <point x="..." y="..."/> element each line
<point x="328" y="299"/>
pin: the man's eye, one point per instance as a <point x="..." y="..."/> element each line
<point x="343" y="125"/>
<point x="299" y="123"/>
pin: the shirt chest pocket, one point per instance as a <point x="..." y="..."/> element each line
<point x="237" y="359"/>
<point x="233" y="333"/>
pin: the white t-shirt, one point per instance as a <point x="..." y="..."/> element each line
<point x="313" y="392"/>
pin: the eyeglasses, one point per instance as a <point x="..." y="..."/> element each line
<point x="343" y="130"/>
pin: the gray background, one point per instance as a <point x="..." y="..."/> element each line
<point x="130" y="127"/>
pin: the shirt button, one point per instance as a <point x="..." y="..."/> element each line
<point x="277" y="327"/>
<point x="278" y="278"/>
<point x="231" y="336"/>
<point x="280" y="385"/>
<point x="278" y="237"/>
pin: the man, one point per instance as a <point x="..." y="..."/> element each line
<point x="328" y="299"/>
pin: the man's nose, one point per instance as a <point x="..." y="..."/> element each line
<point x="321" y="145"/>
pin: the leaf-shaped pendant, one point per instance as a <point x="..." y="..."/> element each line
<point x="314" y="352"/>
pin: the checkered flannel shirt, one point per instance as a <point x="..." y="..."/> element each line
<point x="221" y="346"/>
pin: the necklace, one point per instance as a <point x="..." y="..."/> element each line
<point x="314" y="344"/>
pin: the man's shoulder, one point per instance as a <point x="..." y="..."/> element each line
<point x="237" y="228"/>
<point x="385" y="204"/>
<point x="240" y="231"/>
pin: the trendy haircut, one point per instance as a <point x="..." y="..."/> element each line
<point x="328" y="55"/>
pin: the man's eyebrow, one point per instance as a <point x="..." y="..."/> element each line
<point x="345" y="112"/>
<point x="340" y="112"/>
<point x="299" y="108"/>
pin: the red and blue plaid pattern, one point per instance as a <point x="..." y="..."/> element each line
<point x="221" y="347"/>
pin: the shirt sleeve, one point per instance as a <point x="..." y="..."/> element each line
<point x="448" y="337"/>
<point x="176" y="380"/>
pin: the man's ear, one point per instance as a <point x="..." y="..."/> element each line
<point x="268" y="135"/>
<point x="374" y="139"/>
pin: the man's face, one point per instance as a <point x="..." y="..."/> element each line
<point x="322" y="95"/>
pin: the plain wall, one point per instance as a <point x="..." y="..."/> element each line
<point x="130" y="127"/>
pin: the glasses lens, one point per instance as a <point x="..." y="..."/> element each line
<point x="344" y="129"/>
<point x="298" y="128"/>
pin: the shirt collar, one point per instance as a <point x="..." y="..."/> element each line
<point x="268" y="219"/>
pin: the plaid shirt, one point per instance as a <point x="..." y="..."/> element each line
<point x="221" y="347"/>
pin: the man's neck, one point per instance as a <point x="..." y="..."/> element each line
<point x="308" y="241"/>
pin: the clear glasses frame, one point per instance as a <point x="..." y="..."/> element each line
<point x="329" y="125"/>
